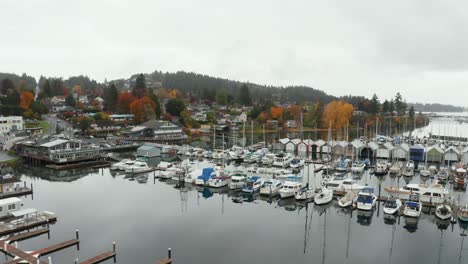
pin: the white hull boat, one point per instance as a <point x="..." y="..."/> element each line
<point x="392" y="206"/>
<point x="272" y="187"/>
<point x="347" y="200"/>
<point x="443" y="211"/>
<point x="323" y="196"/>
<point x="290" y="188"/>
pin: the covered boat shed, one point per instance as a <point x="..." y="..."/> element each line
<point x="303" y="146"/>
<point x="369" y="151"/>
<point x="291" y="146"/>
<point x="434" y="154"/>
<point x="358" y="145"/>
<point x="464" y="156"/>
<point x="401" y="152"/>
<point x="451" y="155"/>
<point x="315" y="149"/>
<point x="417" y="152"/>
<point x="384" y="151"/>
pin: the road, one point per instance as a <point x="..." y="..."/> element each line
<point x="54" y="121"/>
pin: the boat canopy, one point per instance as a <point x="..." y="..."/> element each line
<point x="412" y="204"/>
<point x="207" y="173"/>
<point x="254" y="178"/>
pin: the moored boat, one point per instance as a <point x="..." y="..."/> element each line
<point x="366" y="199"/>
<point x="323" y="196"/>
<point x="347" y="200"/>
<point x="443" y="211"/>
<point x="290" y="188"/>
<point x="392" y="205"/>
<point x="253" y="184"/>
<point x="271" y="187"/>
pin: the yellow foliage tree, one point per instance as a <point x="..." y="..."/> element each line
<point x="337" y="114"/>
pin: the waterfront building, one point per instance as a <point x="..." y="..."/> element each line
<point x="57" y="151"/>
<point x="434" y="154"/>
<point x="8" y="184"/>
<point x="157" y="131"/>
<point x="451" y="155"/>
<point x="11" y="124"/>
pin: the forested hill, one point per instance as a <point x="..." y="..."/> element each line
<point x="206" y="87"/>
<point x="22" y="81"/>
<point x="418" y="107"/>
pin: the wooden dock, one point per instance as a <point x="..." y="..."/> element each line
<point x="42" y="219"/>
<point x="21" y="256"/>
<point x="21" y="191"/>
<point x="100" y="258"/>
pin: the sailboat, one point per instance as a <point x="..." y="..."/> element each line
<point x="348" y="199"/>
<point x="463" y="213"/>
<point x="323" y="196"/>
<point x="443" y="211"/>
<point x="425" y="172"/>
<point x="305" y="193"/>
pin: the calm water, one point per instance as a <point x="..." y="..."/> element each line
<point x="206" y="227"/>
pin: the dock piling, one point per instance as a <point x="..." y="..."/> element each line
<point x="50" y="260"/>
<point x="169" y="255"/>
<point x="113" y="246"/>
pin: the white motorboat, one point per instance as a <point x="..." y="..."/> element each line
<point x="444" y="211"/>
<point x="443" y="174"/>
<point x="138" y="166"/>
<point x="193" y="175"/>
<point x="344" y="185"/>
<point x="297" y="163"/>
<point x="424" y="172"/>
<point x="395" y="168"/>
<point x="392" y="206"/>
<point x="290" y="188"/>
<point x="219" y="181"/>
<point x="366" y="199"/>
<point x="238" y="180"/>
<point x="271" y="187"/>
<point x="164" y="165"/>
<point x="283" y="160"/>
<point x="381" y="168"/>
<point x="218" y="154"/>
<point x="347" y="200"/>
<point x="253" y="184"/>
<point x="429" y="193"/>
<point x="358" y="167"/>
<point x="207" y="174"/>
<point x="304" y="194"/>
<point x="408" y="171"/>
<point x="413" y="206"/>
<point x="268" y="159"/>
<point x="323" y="196"/>
<point x="433" y="169"/>
<point x="123" y="165"/>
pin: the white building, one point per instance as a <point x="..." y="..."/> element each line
<point x="11" y="123"/>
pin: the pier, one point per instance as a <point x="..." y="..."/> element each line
<point x="21" y="256"/>
<point x="14" y="226"/>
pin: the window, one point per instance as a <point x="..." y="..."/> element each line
<point x="11" y="206"/>
<point x="1" y="208"/>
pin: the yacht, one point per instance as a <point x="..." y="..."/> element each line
<point x="408" y="171"/>
<point x="366" y="199"/>
<point x="443" y="211"/>
<point x="413" y="206"/>
<point x="219" y="181"/>
<point x="207" y="174"/>
<point x="290" y="188"/>
<point x="392" y="205"/>
<point x="347" y="200"/>
<point x="443" y="174"/>
<point x="381" y="168"/>
<point x="268" y="159"/>
<point x="283" y="160"/>
<point x="253" y="184"/>
<point x="297" y="163"/>
<point x="343" y="185"/>
<point x="358" y="167"/>
<point x="138" y="166"/>
<point x="304" y="194"/>
<point x="238" y="180"/>
<point x="123" y="165"/>
<point x="271" y="187"/>
<point x="193" y="175"/>
<point x="459" y="180"/>
<point x="323" y="196"/>
<point x="463" y="213"/>
<point x="430" y="193"/>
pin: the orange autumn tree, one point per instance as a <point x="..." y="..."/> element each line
<point x="26" y="99"/>
<point x="276" y="112"/>
<point x="124" y="101"/>
<point x="143" y="109"/>
<point x="337" y="114"/>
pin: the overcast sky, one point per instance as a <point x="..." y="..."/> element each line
<point x="419" y="48"/>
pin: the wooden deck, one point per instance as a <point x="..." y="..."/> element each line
<point x="15" y="227"/>
<point x="100" y="258"/>
<point x="22" y="191"/>
<point x="27" y="235"/>
<point x="56" y="247"/>
<point x="18" y="254"/>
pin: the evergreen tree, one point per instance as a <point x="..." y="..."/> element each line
<point x="175" y="107"/>
<point x="374" y="105"/>
<point x="157" y="110"/>
<point x="386" y="106"/>
<point x="110" y="96"/>
<point x="6" y="85"/>
<point x="139" y="90"/>
<point x="400" y="106"/>
<point x="46" y="90"/>
<point x="244" y="95"/>
<point x="70" y="100"/>
<point x="411" y="112"/>
<point x="221" y="97"/>
<point x="391" y="107"/>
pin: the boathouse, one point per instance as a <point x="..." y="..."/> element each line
<point x="315" y="149"/>
<point x="8" y="184"/>
<point x="384" y="151"/>
<point x="325" y="150"/>
<point x="451" y="155"/>
<point x="291" y="146"/>
<point x="401" y="152"/>
<point x="370" y="150"/>
<point x="303" y="146"/>
<point x="434" y="154"/>
<point x="417" y="153"/>
<point x="149" y="150"/>
<point x="357" y="145"/>
<point x="282" y="144"/>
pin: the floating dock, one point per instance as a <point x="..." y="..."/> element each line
<point x="15" y="225"/>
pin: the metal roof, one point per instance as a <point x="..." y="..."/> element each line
<point x="54" y="143"/>
<point x="23" y="212"/>
<point x="9" y="201"/>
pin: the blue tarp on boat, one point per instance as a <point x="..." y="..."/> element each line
<point x="207" y="174"/>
